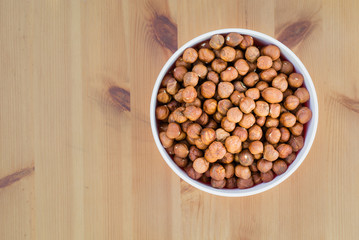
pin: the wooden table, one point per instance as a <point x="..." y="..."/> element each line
<point x="77" y="157"/>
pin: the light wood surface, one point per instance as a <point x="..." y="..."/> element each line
<point x="77" y="158"/>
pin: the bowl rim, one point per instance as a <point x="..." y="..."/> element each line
<point x="311" y="129"/>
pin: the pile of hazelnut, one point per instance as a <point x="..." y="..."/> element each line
<point x="231" y="113"/>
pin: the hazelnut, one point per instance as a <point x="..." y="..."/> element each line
<point x="185" y="125"/>
<point x="231" y="183"/>
<point x="189" y="79"/>
<point x="165" y="80"/>
<point x="200" y="70"/>
<point x="166" y="141"/>
<point x="247" y="104"/>
<point x="223" y="106"/>
<point x="264" y="62"/>
<point x="181" y="150"/>
<point x="218" y="117"/>
<point x="218" y="65"/>
<point x="252" y="66"/>
<point x="205" y="179"/>
<point x="271" y="51"/>
<point x="217" y="172"/>
<point x="303" y="94"/>
<point x="261" y="109"/>
<point x="258" y="156"/>
<point x="192" y="112"/>
<point x="255" y="133"/>
<point x="190" y="55"/>
<point x="218" y="183"/>
<point x="287" y="67"/>
<point x="241" y="133"/>
<point x="211" y="124"/>
<point x="227" y="125"/>
<point x="279" y="167"/>
<point x="280" y="82"/>
<point x="200" y="165"/>
<point x="274" y="110"/>
<point x="272" y="122"/>
<point x="181" y="63"/>
<point x="162" y="112"/>
<point x="181" y="137"/>
<point x="208" y="135"/>
<point x="228" y="158"/>
<point x="216" y="41"/>
<point x="217" y="53"/>
<point x="287" y="93"/>
<point x="229" y="169"/>
<point x="239" y="55"/>
<point x="203" y="119"/>
<point x="208" y="89"/>
<point x="245" y="158"/>
<point x="272" y="95"/>
<point x="260" y="121"/>
<point x="285" y="134"/>
<point x="213" y="76"/>
<point x="261" y="85"/>
<point x="233" y="144"/>
<point x="242" y="66"/>
<point x="270" y="153"/>
<point x="295" y="80"/>
<point x="247" y="121"/>
<point x="234" y="39"/>
<point x="191" y="172"/>
<point x="178" y="115"/>
<point x="217" y="150"/>
<point x="229" y="74"/>
<point x="264" y="165"/>
<point x="252" y="53"/>
<point x="297" y="129"/>
<point x="234" y="114"/>
<point x="284" y="150"/>
<point x="245" y="183"/>
<point x="194" y="130"/>
<point x="273" y="135"/>
<point x="225" y="89"/>
<point x="250" y="79"/>
<point x="163" y="96"/>
<point x="257" y="178"/>
<point x="181" y="162"/>
<point x="267" y="176"/>
<point x="304" y="115"/>
<point x="197" y="103"/>
<point x="170" y="150"/>
<point x="189" y="94"/>
<point x="194" y="153"/>
<point x="199" y="144"/>
<point x="228" y="54"/>
<point x="242" y="172"/>
<point x="173" y="105"/>
<point x="296" y="142"/>
<point x="290" y="158"/>
<point x="206" y="55"/>
<point x="173" y="130"/>
<point x="190" y="140"/>
<point x="179" y="73"/>
<point x="235" y="97"/>
<point x="221" y="134"/>
<point x="253" y="93"/>
<point x="172" y="86"/>
<point x="210" y="106"/>
<point x="246" y="42"/>
<point x="179" y="96"/>
<point x="277" y="64"/>
<point x="287" y="119"/>
<point x="253" y="167"/>
<point x="268" y="75"/>
<point x="291" y="102"/>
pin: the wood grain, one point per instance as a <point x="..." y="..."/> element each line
<point x="77" y="156"/>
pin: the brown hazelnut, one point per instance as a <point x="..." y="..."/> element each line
<point x="218" y="117"/>
<point x="203" y="119"/>
<point x="229" y="169"/>
<point x="194" y="153"/>
<point x="170" y="150"/>
<point x="166" y="141"/>
<point x="272" y="95"/>
<point x="179" y="96"/>
<point x="253" y="93"/>
<point x="227" y="125"/>
<point x="225" y="89"/>
<point x="268" y="75"/>
<point x="163" y="96"/>
<point x="245" y="183"/>
<point x="217" y="53"/>
<point x="279" y="167"/>
<point x="165" y="80"/>
<point x="200" y="165"/>
<point x="239" y="55"/>
<point x="264" y="165"/>
<point x="291" y="102"/>
<point x="218" y="65"/>
<point x="178" y="115"/>
<point x="247" y="121"/>
<point x="285" y="134"/>
<point x="284" y="150"/>
<point x="233" y="144"/>
<point x="213" y="76"/>
<point x="272" y="122"/>
<point x="199" y="144"/>
<point x="228" y="54"/>
<point x="247" y="104"/>
<point x="280" y="82"/>
<point x="304" y="115"/>
<point x="274" y="110"/>
<point x="229" y="74"/>
<point x="295" y="80"/>
<point x="221" y="134"/>
<point x="191" y="172"/>
<point x="253" y="167"/>
<point x="246" y="42"/>
<point x="205" y="179"/>
<point x="231" y="183"/>
<point x="185" y="125"/>
<point x="287" y="119"/>
<point x="255" y="133"/>
<point x="271" y="51"/>
<point x="234" y="39"/>
<point x="181" y="150"/>
<point x="258" y="156"/>
<point x="228" y="158"/>
<point x="208" y="89"/>
<point x="216" y="41"/>
<point x="189" y="94"/>
<point x="235" y="97"/>
<point x="217" y="172"/>
<point x="242" y="172"/>
<point x="210" y="106"/>
<point x="234" y="114"/>
<point x="223" y="106"/>
<point x="290" y="158"/>
<point x="277" y="64"/>
<point x="190" y="140"/>
<point x="270" y="153"/>
<point x="241" y="132"/>
<point x="179" y="73"/>
<point x="172" y="86"/>
<point x="192" y="112"/>
<point x="190" y="55"/>
<point x="217" y="150"/>
<point x="245" y="158"/>
<point x="252" y="53"/>
<point x="261" y="85"/>
<point x="212" y="124"/>
<point x="273" y="135"/>
<point x="197" y="103"/>
<point x="287" y="67"/>
<point x="189" y="79"/>
<point x="173" y="130"/>
<point x="242" y="66"/>
<point x="287" y="93"/>
<point x="252" y="66"/>
<point x="162" y="112"/>
<point x="239" y="86"/>
<point x="250" y="79"/>
<point x="218" y="183"/>
<point x="267" y="177"/>
<point x="206" y="55"/>
<point x="303" y="94"/>
<point x="208" y="135"/>
<point x="261" y="108"/>
<point x="194" y="130"/>
<point x="173" y="105"/>
<point x="181" y="137"/>
<point x="260" y="121"/>
<point x="264" y="62"/>
<point x="181" y="63"/>
<point x="257" y="178"/>
<point x="181" y="162"/>
<point x="296" y="142"/>
<point x="297" y="129"/>
<point x="200" y="70"/>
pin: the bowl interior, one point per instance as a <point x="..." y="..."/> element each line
<point x="311" y="126"/>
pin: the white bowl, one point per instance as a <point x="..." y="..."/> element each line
<point x="310" y="129"/>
